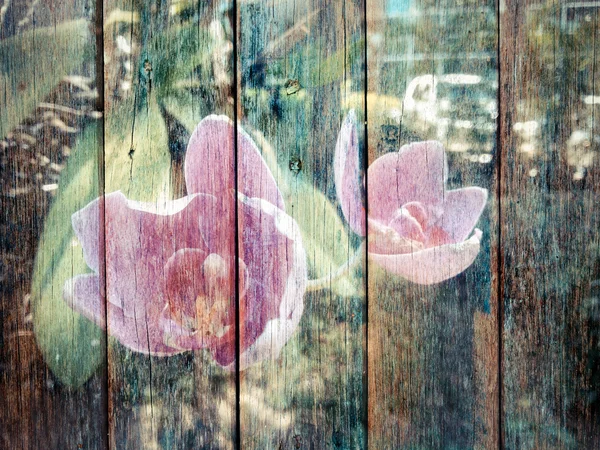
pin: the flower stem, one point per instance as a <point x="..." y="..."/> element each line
<point x="326" y="281"/>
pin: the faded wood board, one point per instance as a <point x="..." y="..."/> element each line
<point x="300" y="69"/>
<point x="164" y="389"/>
<point x="432" y="336"/>
<point x="49" y="116"/>
<point x="212" y="223"/>
<point x="549" y="227"/>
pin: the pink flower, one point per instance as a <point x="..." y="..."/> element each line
<point x="169" y="284"/>
<point x="417" y="228"/>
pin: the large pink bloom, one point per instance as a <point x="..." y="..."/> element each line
<point x="416" y="228"/>
<point x="169" y="279"/>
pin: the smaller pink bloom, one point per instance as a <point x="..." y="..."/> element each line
<point x="164" y="275"/>
<point x="416" y="228"/>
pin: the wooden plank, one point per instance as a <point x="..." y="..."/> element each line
<point x="163" y="271"/>
<point x="52" y="397"/>
<point x="243" y="321"/>
<point x="300" y="68"/>
<point x="432" y="336"/>
<point x="549" y="230"/>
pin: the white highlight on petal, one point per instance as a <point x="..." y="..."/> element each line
<point x="164" y="208"/>
<point x="278" y="331"/>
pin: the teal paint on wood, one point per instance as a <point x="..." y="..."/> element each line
<point x="244" y="319"/>
<point x="549" y="188"/>
<point x="432" y="315"/>
<point x="300" y="65"/>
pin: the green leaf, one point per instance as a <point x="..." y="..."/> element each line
<point x="33" y="63"/>
<point x="137" y="153"/>
<point x="181" y="56"/>
<point x="324" y="233"/>
<point x="334" y="68"/>
<point x="315" y="67"/>
<point x="73" y="346"/>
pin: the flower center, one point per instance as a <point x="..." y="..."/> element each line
<point x="213" y="305"/>
<point x="412" y="228"/>
<point x="388" y="241"/>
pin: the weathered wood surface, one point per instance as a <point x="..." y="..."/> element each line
<point x="184" y="400"/>
<point x="308" y="60"/>
<point x="48" y="105"/>
<point x="207" y="338"/>
<point x="549" y="246"/>
<point x="432" y="348"/>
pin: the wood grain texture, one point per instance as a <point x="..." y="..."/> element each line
<point x="433" y="348"/>
<point x="176" y="61"/>
<point x="49" y="108"/>
<point x="549" y="231"/>
<point x="503" y="354"/>
<point x="307" y="58"/>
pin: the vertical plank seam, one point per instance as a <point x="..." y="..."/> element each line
<point x="366" y="209"/>
<point x="100" y="101"/>
<point x="238" y="433"/>
<point x="499" y="258"/>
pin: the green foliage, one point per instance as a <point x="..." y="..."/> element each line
<point x="325" y="235"/>
<point x="181" y="57"/>
<point x="72" y="346"/>
<point x="330" y="68"/>
<point x="334" y="68"/>
<point x="33" y="63"/>
<point x="137" y="156"/>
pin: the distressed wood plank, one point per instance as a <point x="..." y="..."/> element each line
<point x="163" y="394"/>
<point x="549" y="224"/>
<point x="300" y="68"/>
<point x="433" y="350"/>
<point x="50" y="133"/>
<point x="432" y="347"/>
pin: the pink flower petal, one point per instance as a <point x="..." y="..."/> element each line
<point x="269" y="344"/>
<point x="419" y="212"/>
<point x="210" y="164"/>
<point x="265" y="247"/>
<point x="254" y="177"/>
<point x="432" y="265"/>
<point x="82" y="293"/>
<point x="140" y="334"/>
<point x="462" y="208"/>
<point x="437" y="236"/>
<point x="348" y="175"/>
<point x="210" y="158"/>
<point x="271" y="247"/>
<point x="407" y="226"/>
<point x="140" y="239"/>
<point x="179" y="337"/>
<point x="385" y="240"/>
<point x="88" y="227"/>
<point x="417" y="173"/>
<point x="185" y="281"/>
<point x="165" y="290"/>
